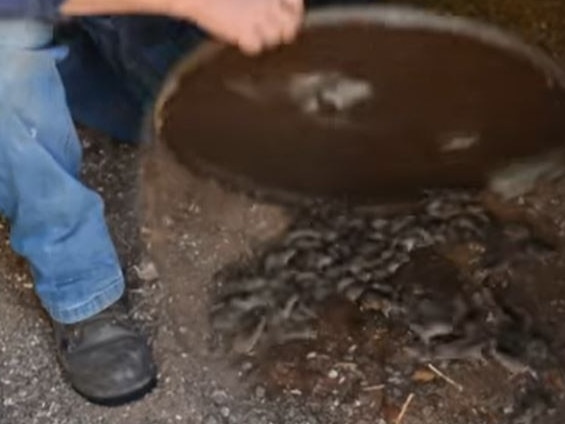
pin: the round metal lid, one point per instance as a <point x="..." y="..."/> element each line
<point x="370" y="103"/>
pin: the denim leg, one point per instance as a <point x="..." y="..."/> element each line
<point x="57" y="223"/>
<point x="142" y="49"/>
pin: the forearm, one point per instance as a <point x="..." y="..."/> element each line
<point x="53" y="9"/>
<point x="252" y="25"/>
<point x="118" y="7"/>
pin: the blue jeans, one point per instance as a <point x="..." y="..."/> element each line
<point x="116" y="67"/>
<point x="57" y="223"/>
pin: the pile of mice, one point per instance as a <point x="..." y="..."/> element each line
<point x="332" y="251"/>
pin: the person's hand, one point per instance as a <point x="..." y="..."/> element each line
<point x="252" y="25"/>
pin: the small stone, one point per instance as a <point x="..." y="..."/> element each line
<point x="396" y="380"/>
<point x="260" y="392"/>
<point x="247" y="366"/>
<point x="147" y="271"/>
<point x="256" y="420"/>
<point x="225" y="412"/>
<point x="333" y="374"/>
<point x="397" y="393"/>
<point x="427" y="411"/>
<point x="210" y="420"/>
<point x="290" y="412"/>
<point x="219" y="397"/>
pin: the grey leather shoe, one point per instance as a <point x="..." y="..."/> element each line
<point x="105" y="359"/>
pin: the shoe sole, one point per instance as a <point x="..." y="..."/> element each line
<point x="121" y="400"/>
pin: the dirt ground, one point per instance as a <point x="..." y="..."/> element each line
<point x="355" y="371"/>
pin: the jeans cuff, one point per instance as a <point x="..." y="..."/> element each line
<point x="93" y="306"/>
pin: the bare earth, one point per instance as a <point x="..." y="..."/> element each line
<point x="321" y="381"/>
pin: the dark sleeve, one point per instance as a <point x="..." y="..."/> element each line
<point x="32" y="9"/>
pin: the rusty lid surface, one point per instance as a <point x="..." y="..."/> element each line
<point x="370" y="103"/>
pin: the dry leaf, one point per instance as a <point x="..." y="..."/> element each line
<point x="423" y="376"/>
